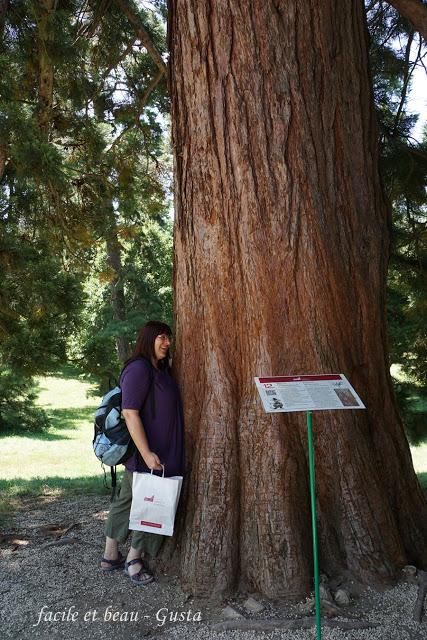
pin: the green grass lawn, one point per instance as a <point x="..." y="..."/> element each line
<point x="60" y="461"/>
<point x="65" y="448"/>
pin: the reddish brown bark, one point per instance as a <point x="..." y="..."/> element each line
<point x="280" y="260"/>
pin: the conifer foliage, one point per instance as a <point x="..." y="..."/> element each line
<point x="396" y="52"/>
<point x="84" y="182"/>
<point x="85" y="173"/>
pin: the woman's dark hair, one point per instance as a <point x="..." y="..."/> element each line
<point x="144" y="345"/>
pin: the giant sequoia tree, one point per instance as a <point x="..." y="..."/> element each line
<point x="281" y="249"/>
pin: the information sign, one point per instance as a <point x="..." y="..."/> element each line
<point x="307" y="393"/>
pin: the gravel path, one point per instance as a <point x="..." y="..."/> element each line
<point x="39" y="580"/>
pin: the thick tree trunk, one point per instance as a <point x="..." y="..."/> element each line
<point x="117" y="292"/>
<point x="280" y="261"/>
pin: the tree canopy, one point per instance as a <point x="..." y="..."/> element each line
<point x="85" y="190"/>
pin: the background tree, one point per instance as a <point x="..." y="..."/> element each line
<point x="279" y="203"/>
<point x="83" y="172"/>
<point x="395" y="52"/>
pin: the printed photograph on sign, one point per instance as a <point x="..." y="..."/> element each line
<point x="346" y="397"/>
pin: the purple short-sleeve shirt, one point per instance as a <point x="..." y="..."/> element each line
<point x="164" y="430"/>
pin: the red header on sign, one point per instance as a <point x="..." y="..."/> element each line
<point x="301" y="378"/>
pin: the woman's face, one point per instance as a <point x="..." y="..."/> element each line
<point x="161" y="346"/>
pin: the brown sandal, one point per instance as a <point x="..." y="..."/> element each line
<point x="114" y="564"/>
<point x="142" y="576"/>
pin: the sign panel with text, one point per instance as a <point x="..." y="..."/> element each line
<point x="307" y="393"/>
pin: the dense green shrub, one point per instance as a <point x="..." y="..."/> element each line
<point x="17" y="409"/>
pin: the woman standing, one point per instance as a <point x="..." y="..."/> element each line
<point x="151" y="407"/>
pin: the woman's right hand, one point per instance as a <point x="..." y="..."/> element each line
<point x="152" y="461"/>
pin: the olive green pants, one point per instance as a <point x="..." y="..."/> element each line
<point x="117" y="525"/>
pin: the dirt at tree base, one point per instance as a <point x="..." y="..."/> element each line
<point x="65" y="579"/>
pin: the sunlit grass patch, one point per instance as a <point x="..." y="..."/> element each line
<point x="419" y="458"/>
<point x="59" y="461"/>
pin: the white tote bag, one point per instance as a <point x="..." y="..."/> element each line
<point x="154" y="503"/>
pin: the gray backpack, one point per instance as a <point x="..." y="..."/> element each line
<point x="112" y="443"/>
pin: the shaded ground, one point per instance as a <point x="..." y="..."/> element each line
<point x="65" y="579"/>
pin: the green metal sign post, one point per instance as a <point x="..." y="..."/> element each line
<point x="288" y="393"/>
<point x="313" y="522"/>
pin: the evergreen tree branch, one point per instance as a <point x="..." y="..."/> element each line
<point x="80" y="16"/>
<point x="90" y="28"/>
<point x="141" y="105"/>
<point x="142" y="33"/>
<point x="112" y="66"/>
<point x="415" y="11"/>
<point x="408" y="69"/>
<point x="391" y="33"/>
